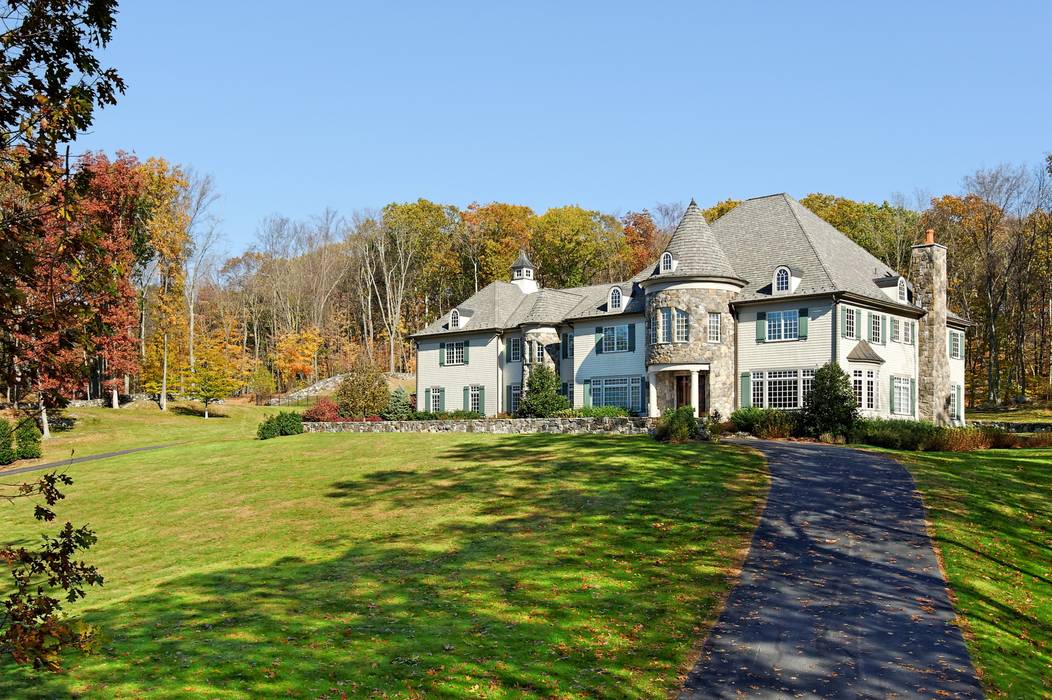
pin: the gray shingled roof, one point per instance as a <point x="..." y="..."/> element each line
<point x="763" y="233"/>
<point x="864" y="352"/>
<point x="489" y="308"/>
<point x="521" y="261"/>
<point x="695" y="250"/>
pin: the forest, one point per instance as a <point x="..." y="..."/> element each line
<point x="307" y="297"/>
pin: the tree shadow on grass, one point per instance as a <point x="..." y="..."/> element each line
<point x="566" y="572"/>
<point x="196" y="410"/>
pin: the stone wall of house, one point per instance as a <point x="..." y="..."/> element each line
<point x="719" y="356"/>
<point x="560" y="426"/>
<point x="928" y="269"/>
<point x="547" y="336"/>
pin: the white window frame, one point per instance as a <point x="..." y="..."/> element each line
<point x="455" y="353"/>
<point x="782" y="275"/>
<point x="454" y="319"/>
<point x="633" y="388"/>
<point x="436" y="400"/>
<point x="666" y="262"/>
<point x="875" y="325"/>
<point x="851" y="322"/>
<point x="955" y="400"/>
<point x="900" y="396"/>
<point x="907" y="332"/>
<point x="475" y="399"/>
<point x="715" y="327"/>
<point x="903" y="293"/>
<point x="858" y="386"/>
<point x="807" y="383"/>
<point x="759" y="390"/>
<point x="896" y="333"/>
<point x="615" y="299"/>
<point x="956" y="345"/>
<point x="781" y="323"/>
<point x="515" y="350"/>
<point x="516" y="396"/>
<point x="666" y="324"/>
<point x="760" y="387"/>
<point x="615" y="339"/>
<point x="539" y="351"/>
<point x="528" y="273"/>
<point x="682" y="326"/>
<point x="872" y="389"/>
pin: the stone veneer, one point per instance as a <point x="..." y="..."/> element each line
<point x="561" y="426"/>
<point x="549" y="337"/>
<point x="928" y="269"/>
<point x="719" y="356"/>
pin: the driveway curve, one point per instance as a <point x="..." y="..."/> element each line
<point x="841" y="595"/>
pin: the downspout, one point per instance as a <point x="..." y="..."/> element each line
<point x="500" y="374"/>
<point x="836" y="328"/>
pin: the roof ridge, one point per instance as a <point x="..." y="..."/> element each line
<point x="807" y="236"/>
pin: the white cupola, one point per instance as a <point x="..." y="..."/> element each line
<point x="523" y="274"/>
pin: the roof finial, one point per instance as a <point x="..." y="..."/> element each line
<point x="692" y="203"/>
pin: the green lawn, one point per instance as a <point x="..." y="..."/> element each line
<point x="1015" y="414"/>
<point x="992" y="514"/>
<point x="400" y="565"/>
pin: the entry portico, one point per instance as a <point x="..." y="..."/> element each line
<point x="665" y="382"/>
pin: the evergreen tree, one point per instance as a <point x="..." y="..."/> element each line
<point x="542" y="397"/>
<point x="830" y="406"/>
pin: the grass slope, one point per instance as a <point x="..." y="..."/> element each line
<point x="402" y="565"/>
<point x="992" y="515"/>
<point x="1014" y="414"/>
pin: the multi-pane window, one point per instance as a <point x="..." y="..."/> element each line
<point x="896" y="336"/>
<point x="857" y="386"/>
<point x="515" y="350"/>
<point x="651" y="331"/>
<point x="874" y="328"/>
<point x="783" y="389"/>
<point x="714" y="328"/>
<point x="850" y="323"/>
<point x="454" y="319"/>
<point x="615" y="339"/>
<point x="626" y="392"/>
<point x="757" y="389"/>
<point x="682" y="326"/>
<point x="666" y="325"/>
<point x="871" y="389"/>
<point x="781" y="280"/>
<point x="455" y="353"/>
<point x="955" y="401"/>
<point x="807" y="382"/>
<point x="900" y="396"/>
<point x="539" y="347"/>
<point x="475" y="399"/>
<point x="907" y="332"/>
<point x="666" y="262"/>
<point x="782" y="325"/>
<point x="516" y="394"/>
<point x="902" y="290"/>
<point x="956" y="345"/>
<point x="615" y="298"/>
<point x="436" y="399"/>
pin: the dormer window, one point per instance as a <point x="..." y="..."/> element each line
<point x="454" y="319"/>
<point x="518" y="274"/>
<point x="528" y="272"/>
<point x="781" y="280"/>
<point x="903" y="294"/>
<point x="615" y="299"/>
<point x="666" y="262"/>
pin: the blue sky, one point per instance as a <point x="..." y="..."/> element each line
<point x="613" y="106"/>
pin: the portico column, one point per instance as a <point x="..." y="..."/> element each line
<point x="694" y="396"/>
<point x="652" y="407"/>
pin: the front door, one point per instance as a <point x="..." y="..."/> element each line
<point x="682" y="391"/>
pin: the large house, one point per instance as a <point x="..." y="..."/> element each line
<point x="737" y="313"/>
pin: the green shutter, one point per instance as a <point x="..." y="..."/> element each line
<point x="891" y="394"/>
<point x="563" y="389"/>
<point x="467" y="343"/>
<point x="587" y="392"/>
<point x="442" y="399"/>
<point x="746" y="390"/>
<point x="883" y="329"/>
<point x="843" y="322"/>
<point x="441" y="354"/>
<point x="565" y="345"/>
<point x="869" y="326"/>
<point x="467" y="398"/>
<point x="802" y="327"/>
<point x="507" y="399"/>
<point x="599" y="340"/>
<point x="913" y="397"/>
<point x="761" y="326"/>
<point x="482" y="400"/>
<point x="631" y="337"/>
<point x="960" y="403"/>
<point x="427" y="400"/>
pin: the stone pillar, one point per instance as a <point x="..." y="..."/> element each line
<point x="652" y="407"/>
<point x="694" y="396"/>
<point x="928" y="266"/>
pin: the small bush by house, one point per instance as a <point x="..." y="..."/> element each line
<point x="830" y="407"/>
<point x="593" y="412"/>
<point x="444" y="415"/>
<point x="284" y="423"/>
<point x="777" y="424"/>
<point x="323" y="411"/>
<point x="398" y="406"/>
<point x="542" y="398"/>
<point x="746" y="419"/>
<point x="677" y="425"/>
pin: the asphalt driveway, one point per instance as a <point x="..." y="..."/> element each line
<point x="841" y="594"/>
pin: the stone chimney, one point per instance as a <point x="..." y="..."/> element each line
<point x="928" y="271"/>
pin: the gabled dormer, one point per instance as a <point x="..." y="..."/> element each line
<point x="785" y="280"/>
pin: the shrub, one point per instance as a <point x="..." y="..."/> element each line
<point x="324" y="410"/>
<point x="895" y="434"/>
<point x="677" y="425"/>
<point x="398" y="406"/>
<point x="830" y="406"/>
<point x="714" y="426"/>
<point x="542" y="398"/>
<point x="284" y="423"/>
<point x="444" y="415"/>
<point x="593" y="412"/>
<point x="7" y="453"/>
<point x="1001" y="439"/>
<point x="960" y="440"/>
<point x="27" y="440"/>
<point x="1038" y="440"/>
<point x="776" y="424"/>
<point x="746" y="419"/>
<point x="363" y="391"/>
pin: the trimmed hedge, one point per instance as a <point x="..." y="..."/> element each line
<point x="593" y="412"/>
<point x="284" y="423"/>
<point x="444" y="415"/>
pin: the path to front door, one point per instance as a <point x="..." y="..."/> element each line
<point x="841" y="595"/>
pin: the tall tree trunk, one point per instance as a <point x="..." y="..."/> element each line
<point x="45" y="427"/>
<point x="164" y="376"/>
<point x="114" y="400"/>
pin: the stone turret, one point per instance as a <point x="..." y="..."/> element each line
<point x="928" y="270"/>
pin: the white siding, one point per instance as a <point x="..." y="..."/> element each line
<point x="788" y="354"/>
<point x="587" y="363"/>
<point x="900" y="359"/>
<point x="512" y="370"/>
<point x="481" y="368"/>
<point x="957" y="369"/>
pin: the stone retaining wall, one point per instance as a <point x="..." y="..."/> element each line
<point x="1012" y="427"/>
<point x="560" y="426"/>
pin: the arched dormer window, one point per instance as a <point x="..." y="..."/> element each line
<point x="781" y="280"/>
<point x="454" y="319"/>
<point x="615" y="299"/>
<point x="903" y="294"/>
<point x="666" y="262"/>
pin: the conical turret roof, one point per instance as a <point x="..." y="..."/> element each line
<point x="695" y="251"/>
<point x="521" y="261"/>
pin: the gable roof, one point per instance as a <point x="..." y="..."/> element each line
<point x="695" y="251"/>
<point x="487" y="309"/>
<point x="764" y="233"/>
<point x="864" y="352"/>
